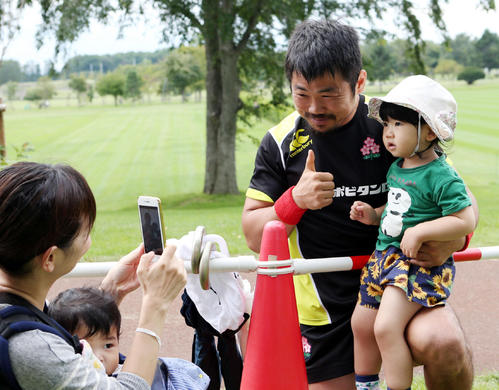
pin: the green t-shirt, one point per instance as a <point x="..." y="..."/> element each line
<point x="419" y="194"/>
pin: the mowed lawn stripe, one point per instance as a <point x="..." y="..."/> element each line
<point x="44" y="129"/>
<point x="185" y="143"/>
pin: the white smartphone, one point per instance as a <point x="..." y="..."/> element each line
<point x="151" y="223"/>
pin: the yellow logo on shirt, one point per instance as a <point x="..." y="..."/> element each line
<point x="299" y="143"/>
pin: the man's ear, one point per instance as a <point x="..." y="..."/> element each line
<point x="47" y="260"/>
<point x="361" y="82"/>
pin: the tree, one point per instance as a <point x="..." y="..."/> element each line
<point x="379" y="60"/>
<point x="111" y="84"/>
<point x="488" y="48"/>
<point x="43" y="91"/>
<point x="432" y="54"/>
<point x="151" y="74"/>
<point x="447" y="67"/>
<point x="183" y="70"/>
<point x="402" y="59"/>
<point x="235" y="35"/>
<point x="11" y="90"/>
<point x="10" y="14"/>
<point x="10" y="71"/>
<point x="79" y="85"/>
<point x="90" y="93"/>
<point x="46" y="88"/>
<point x="133" y="83"/>
<point x="33" y="94"/>
<point x="463" y="50"/>
<point x="471" y="74"/>
<point x="31" y="71"/>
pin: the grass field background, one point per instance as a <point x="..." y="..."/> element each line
<point x="159" y="149"/>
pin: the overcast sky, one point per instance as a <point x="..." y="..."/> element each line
<point x="460" y="17"/>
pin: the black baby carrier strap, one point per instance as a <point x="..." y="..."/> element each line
<point x="22" y="316"/>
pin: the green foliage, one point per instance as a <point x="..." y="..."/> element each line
<point x="471" y="74"/>
<point x="110" y="62"/>
<point x="463" y="50"/>
<point x="21" y="152"/>
<point x="90" y="93"/>
<point x="185" y="69"/>
<point x="448" y="67"/>
<point x="11" y="90"/>
<point x="78" y="84"/>
<point x="379" y="60"/>
<point x="432" y="54"/>
<point x="133" y="83"/>
<point x="44" y="90"/>
<point x="10" y="71"/>
<point x="488" y="48"/>
<point x="33" y="94"/>
<point x="151" y="74"/>
<point x="111" y="84"/>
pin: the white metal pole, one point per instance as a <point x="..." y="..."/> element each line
<point x="298" y="266"/>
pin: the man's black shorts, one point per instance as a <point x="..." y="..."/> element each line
<point x="328" y="349"/>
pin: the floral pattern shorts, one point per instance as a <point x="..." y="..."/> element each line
<point x="426" y="286"/>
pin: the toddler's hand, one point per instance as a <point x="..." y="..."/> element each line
<point x="411" y="242"/>
<point x="362" y="212"/>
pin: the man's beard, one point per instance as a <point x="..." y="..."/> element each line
<point x="308" y="116"/>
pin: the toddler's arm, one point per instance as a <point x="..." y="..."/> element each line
<point x="450" y="227"/>
<point x="365" y="213"/>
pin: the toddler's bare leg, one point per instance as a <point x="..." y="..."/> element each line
<point x="394" y="314"/>
<point x="366" y="351"/>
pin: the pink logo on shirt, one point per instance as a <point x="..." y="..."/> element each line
<point x="370" y="149"/>
<point x="307" y="348"/>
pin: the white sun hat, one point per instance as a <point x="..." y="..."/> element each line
<point x="428" y="98"/>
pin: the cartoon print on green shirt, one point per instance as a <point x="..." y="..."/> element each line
<point x="398" y="203"/>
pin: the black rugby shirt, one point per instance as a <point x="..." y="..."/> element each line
<point x="355" y="155"/>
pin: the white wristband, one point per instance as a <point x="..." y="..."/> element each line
<point x="150" y="333"/>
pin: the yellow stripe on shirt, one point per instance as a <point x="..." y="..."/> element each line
<point x="258" y="195"/>
<point x="282" y="129"/>
<point x="310" y="309"/>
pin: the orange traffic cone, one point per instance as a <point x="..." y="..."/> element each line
<point x="274" y="354"/>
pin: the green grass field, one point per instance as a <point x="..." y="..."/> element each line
<point x="134" y="150"/>
<point x="159" y="149"/>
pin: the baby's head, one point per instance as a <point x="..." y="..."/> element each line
<point x="421" y="102"/>
<point x="93" y="315"/>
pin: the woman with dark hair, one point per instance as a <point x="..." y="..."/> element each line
<point x="46" y="214"/>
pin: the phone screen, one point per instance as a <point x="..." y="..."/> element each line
<point x="151" y="229"/>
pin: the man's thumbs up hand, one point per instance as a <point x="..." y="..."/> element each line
<point x="310" y="163"/>
<point x="314" y="190"/>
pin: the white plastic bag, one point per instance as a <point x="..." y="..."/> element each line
<point x="223" y="305"/>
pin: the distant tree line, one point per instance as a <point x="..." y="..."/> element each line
<point x="11" y="70"/>
<point x="108" y="63"/>
<point x="180" y="71"/>
<point x="461" y="57"/>
<point x="173" y="70"/>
